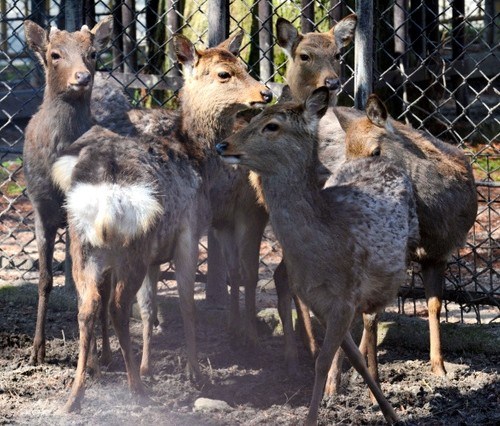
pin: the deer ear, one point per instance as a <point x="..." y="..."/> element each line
<point x="316" y="104"/>
<point x="376" y="111"/>
<point x="36" y="39"/>
<point x="286" y="95"/>
<point x="185" y="51"/>
<point x="102" y="32"/>
<point x="287" y="35"/>
<point x="344" y="118"/>
<point x="233" y="43"/>
<point x="343" y="32"/>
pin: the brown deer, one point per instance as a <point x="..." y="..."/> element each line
<point x="346" y="246"/>
<point x="446" y="206"/>
<point x="134" y="203"/>
<point x="446" y="197"/>
<point x="69" y="62"/>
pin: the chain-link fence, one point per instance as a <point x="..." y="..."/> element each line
<point x="435" y="63"/>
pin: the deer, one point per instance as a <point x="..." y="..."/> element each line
<point x="239" y="224"/>
<point x="446" y="196"/>
<point x="347" y="246"/>
<point x="69" y="61"/>
<point x="446" y="203"/>
<point x="136" y="202"/>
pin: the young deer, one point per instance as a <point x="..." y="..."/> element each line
<point x="446" y="203"/>
<point x="446" y="197"/>
<point x="346" y="246"/>
<point x="68" y="60"/>
<point x="136" y="203"/>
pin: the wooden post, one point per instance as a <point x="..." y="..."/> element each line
<point x="266" y="40"/>
<point x="218" y="22"/>
<point x="117" y="36"/>
<point x="489" y="23"/>
<point x="363" y="53"/>
<point x="3" y="26"/>
<point x="307" y="16"/>
<point x="173" y="26"/>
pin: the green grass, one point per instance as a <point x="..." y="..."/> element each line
<point x="484" y="166"/>
<point x="10" y="188"/>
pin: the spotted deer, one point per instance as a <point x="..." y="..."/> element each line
<point x="446" y="197"/>
<point x="446" y="206"/>
<point x="136" y="202"/>
<point x="68" y="60"/>
<point x="346" y="247"/>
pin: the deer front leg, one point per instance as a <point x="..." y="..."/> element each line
<point x="186" y="257"/>
<point x="339" y="319"/>
<point x="285" y="313"/>
<point x="368" y="346"/>
<point x="45" y="232"/>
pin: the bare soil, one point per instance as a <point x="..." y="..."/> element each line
<point x="254" y="383"/>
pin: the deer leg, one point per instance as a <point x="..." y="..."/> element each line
<point x="359" y="364"/>
<point x="226" y="241"/>
<point x="146" y="298"/>
<point x="337" y="325"/>
<point x="45" y="238"/>
<point x="305" y="324"/>
<point x="216" y="288"/>
<point x="249" y="231"/>
<point x="368" y="346"/>
<point x="106" y="294"/>
<point x="332" y="385"/>
<point x="433" y="277"/>
<point x="87" y="286"/>
<point x="285" y="312"/>
<point x="186" y="257"/>
<point x="127" y="285"/>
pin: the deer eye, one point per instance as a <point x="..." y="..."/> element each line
<point x="304" y="57"/>
<point x="337" y="56"/>
<point x="376" y="152"/>
<point x="93" y="55"/>
<point x="271" y="127"/>
<point x="224" y="75"/>
<point x="55" y="56"/>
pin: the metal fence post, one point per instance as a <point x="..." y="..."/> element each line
<point x="216" y="288"/>
<point x="73" y="14"/>
<point x="218" y="21"/>
<point x="363" y="53"/>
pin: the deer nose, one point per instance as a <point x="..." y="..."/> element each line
<point x="82" y="78"/>
<point x="332" y="83"/>
<point x="221" y="147"/>
<point x="267" y="95"/>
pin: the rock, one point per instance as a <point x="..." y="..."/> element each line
<point x="206" y="404"/>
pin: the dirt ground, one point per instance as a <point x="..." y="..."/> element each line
<point x="254" y="384"/>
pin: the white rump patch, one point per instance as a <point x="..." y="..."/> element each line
<point x="106" y="212"/>
<point x="62" y="170"/>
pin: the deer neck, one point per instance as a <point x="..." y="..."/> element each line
<point x="66" y="118"/>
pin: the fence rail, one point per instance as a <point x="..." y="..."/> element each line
<point x="435" y="63"/>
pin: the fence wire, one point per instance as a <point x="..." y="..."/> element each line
<point x="436" y="65"/>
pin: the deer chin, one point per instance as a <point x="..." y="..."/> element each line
<point x="256" y="105"/>
<point x="231" y="159"/>
<point x="79" y="87"/>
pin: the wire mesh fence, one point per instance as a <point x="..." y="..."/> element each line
<point x="435" y="64"/>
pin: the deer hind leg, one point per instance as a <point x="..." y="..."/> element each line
<point x="359" y="364"/>
<point x="129" y="279"/>
<point x="89" y="286"/>
<point x="285" y="313"/>
<point x="305" y="326"/>
<point x="333" y="380"/>
<point x="216" y="288"/>
<point x="106" y="348"/>
<point x="337" y="325"/>
<point x="146" y="298"/>
<point x="433" y="277"/>
<point x="186" y="258"/>
<point x="45" y="232"/>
